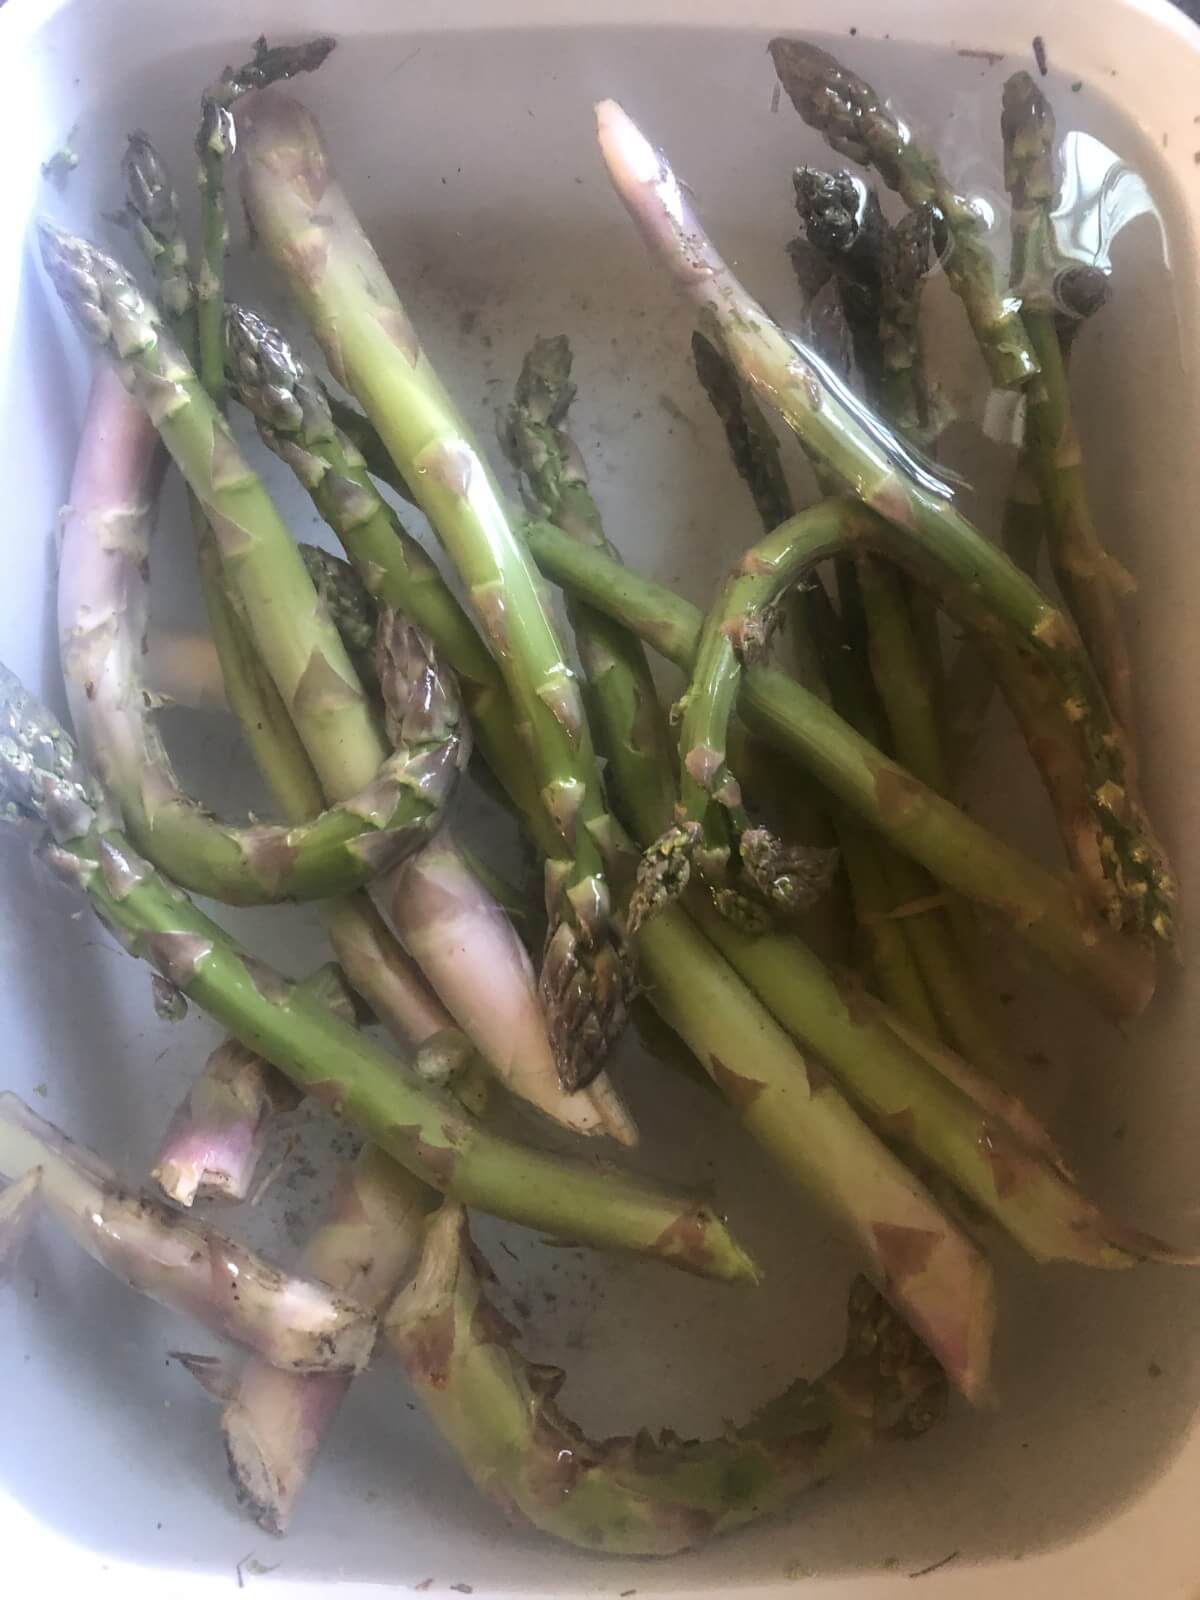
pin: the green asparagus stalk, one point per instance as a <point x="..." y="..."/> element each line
<point x="307" y="225"/>
<point x="469" y="953"/>
<point x="275" y="1422"/>
<point x="293" y="1322"/>
<point x="955" y="849"/>
<point x="103" y="604"/>
<point x="295" y="421"/>
<point x="485" y="945"/>
<point x="642" y="1496"/>
<point x="857" y="123"/>
<point x="969" y="572"/>
<point x="423" y="1129"/>
<point x="555" y="480"/>
<point x="153" y="213"/>
<point x="1091" y="580"/>
<point x="214" y="145"/>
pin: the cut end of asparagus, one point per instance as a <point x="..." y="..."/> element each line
<point x="18" y="1207"/>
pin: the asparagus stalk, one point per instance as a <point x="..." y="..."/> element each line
<point x="153" y="214"/>
<point x="437" y="902"/>
<point x="214" y="145"/>
<point x="18" y="1207"/>
<point x="306" y="223"/>
<point x="927" y="530"/>
<point x="642" y="1496"/>
<point x="275" y="1421"/>
<point x="103" y="596"/>
<point x="1092" y="582"/>
<point x="295" y="421"/>
<point x="425" y="1130"/>
<point x="858" y="124"/>
<point x="293" y="1322"/>
<point x="214" y="1141"/>
<point x="430" y="902"/>
<point x="555" y="481"/>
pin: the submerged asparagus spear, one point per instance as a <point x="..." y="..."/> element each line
<point x="1092" y="581"/>
<point x="902" y="489"/>
<point x="470" y="954"/>
<point x="275" y="1421"/>
<point x="103" y="600"/>
<point x="640" y="1496"/>
<point x="422" y="1128"/>
<point x="306" y="223"/>
<point x="858" y="124"/>
<point x="293" y="1322"/>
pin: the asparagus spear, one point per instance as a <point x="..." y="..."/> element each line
<point x="425" y="1130"/>
<point x="103" y="594"/>
<point x="491" y="995"/>
<point x="1092" y="582"/>
<point x="295" y="421"/>
<point x="958" y="852"/>
<point x="214" y="145"/>
<point x="293" y="1322"/>
<point x="886" y="476"/>
<point x="275" y="1421"/>
<point x="642" y="1496"/>
<point x="18" y="1207"/>
<point x="857" y="123"/>
<point x="306" y="223"/>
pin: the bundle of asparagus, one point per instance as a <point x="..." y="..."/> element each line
<point x="883" y="1095"/>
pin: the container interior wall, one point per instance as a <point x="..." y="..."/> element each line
<point x="471" y="159"/>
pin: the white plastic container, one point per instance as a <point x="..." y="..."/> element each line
<point x="466" y="142"/>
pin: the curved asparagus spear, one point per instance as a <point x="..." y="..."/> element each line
<point x="857" y="123"/>
<point x="103" y="594"/>
<point x="425" y="1130"/>
<point x="292" y="1322"/>
<point x="214" y="144"/>
<point x="1092" y="582"/>
<point x="896" y="484"/>
<point x="958" y="852"/>
<point x="306" y="223"/>
<point x="640" y="1496"/>
<point x="275" y="1421"/>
